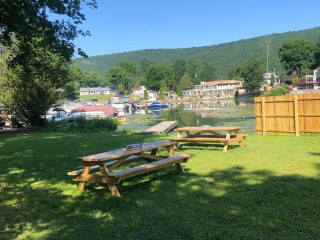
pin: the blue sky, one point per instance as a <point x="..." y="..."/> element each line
<point x="128" y="25"/>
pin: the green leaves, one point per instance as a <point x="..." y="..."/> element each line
<point x="123" y="73"/>
<point x="297" y="55"/>
<point x="28" y="20"/>
<point x="156" y="73"/>
<point x="251" y="70"/>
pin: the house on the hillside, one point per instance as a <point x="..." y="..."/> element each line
<point x="267" y="78"/>
<point x="138" y="91"/>
<point x="96" y="90"/>
<point x="311" y="81"/>
<point x="212" y="88"/>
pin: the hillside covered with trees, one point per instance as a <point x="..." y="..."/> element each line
<point x="223" y="57"/>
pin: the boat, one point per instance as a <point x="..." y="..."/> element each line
<point x="98" y="111"/>
<point x="157" y="105"/>
<point x="119" y="105"/>
<point x="121" y="119"/>
<point x="58" y="115"/>
<point x="157" y="112"/>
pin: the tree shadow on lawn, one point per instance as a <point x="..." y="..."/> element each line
<point x="205" y="146"/>
<point x="223" y="204"/>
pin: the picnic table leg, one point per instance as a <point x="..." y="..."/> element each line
<point x="86" y="170"/>
<point x="153" y="152"/>
<point x="238" y="135"/>
<point x="112" y="187"/>
<point x="225" y="148"/>
<point x="176" y="146"/>
<point x="172" y="154"/>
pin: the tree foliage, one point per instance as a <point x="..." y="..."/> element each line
<point x="36" y="53"/>
<point x="278" y="91"/>
<point x="84" y="78"/>
<point x="179" y="67"/>
<point x="145" y="95"/>
<point x="123" y="73"/>
<point x="28" y="19"/>
<point x="251" y="70"/>
<point x="317" y="54"/>
<point x="28" y="95"/>
<point x="297" y="55"/>
<point x="185" y="82"/>
<point x="157" y="72"/>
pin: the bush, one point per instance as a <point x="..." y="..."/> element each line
<point x="279" y="91"/>
<point x="84" y="125"/>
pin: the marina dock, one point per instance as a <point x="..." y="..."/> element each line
<point x="163" y="127"/>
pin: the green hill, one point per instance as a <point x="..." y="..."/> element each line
<point x="222" y="56"/>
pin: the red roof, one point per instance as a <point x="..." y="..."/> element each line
<point x="101" y="108"/>
<point x="217" y="82"/>
<point x="136" y="89"/>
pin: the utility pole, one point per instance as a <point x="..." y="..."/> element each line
<point x="267" y="40"/>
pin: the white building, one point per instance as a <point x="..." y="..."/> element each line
<point x="96" y="90"/>
<point x="311" y="81"/>
<point x="213" y="88"/>
<point x="267" y="77"/>
<point x="138" y="91"/>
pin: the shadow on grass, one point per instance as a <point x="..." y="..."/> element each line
<point x="205" y="146"/>
<point x="39" y="201"/>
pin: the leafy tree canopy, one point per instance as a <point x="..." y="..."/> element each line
<point x="252" y="71"/>
<point x="185" y="82"/>
<point x="179" y="67"/>
<point x="157" y="72"/>
<point x="317" y="54"/>
<point x="28" y="19"/>
<point x="117" y="75"/>
<point x="123" y="73"/>
<point x="297" y="55"/>
<point x="27" y="95"/>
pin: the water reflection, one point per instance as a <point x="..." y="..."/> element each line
<point x="213" y="113"/>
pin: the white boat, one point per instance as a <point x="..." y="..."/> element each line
<point x="87" y="115"/>
<point x="119" y="106"/>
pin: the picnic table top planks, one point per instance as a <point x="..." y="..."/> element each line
<point x="123" y="152"/>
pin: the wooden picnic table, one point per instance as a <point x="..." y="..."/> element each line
<point x="202" y="134"/>
<point x="104" y="163"/>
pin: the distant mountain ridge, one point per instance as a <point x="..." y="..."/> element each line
<point x="223" y="56"/>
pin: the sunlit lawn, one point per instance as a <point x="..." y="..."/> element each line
<point x="269" y="189"/>
<point x="99" y="97"/>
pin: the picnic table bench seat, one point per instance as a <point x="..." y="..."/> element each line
<point x="118" y="176"/>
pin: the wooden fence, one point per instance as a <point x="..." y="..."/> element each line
<point x="288" y="114"/>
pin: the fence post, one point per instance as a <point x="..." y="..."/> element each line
<point x="263" y="114"/>
<point x="296" y="116"/>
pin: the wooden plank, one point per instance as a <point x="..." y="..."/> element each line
<point x="206" y="129"/>
<point x="118" y="176"/>
<point x="198" y="139"/>
<point x="123" y="152"/>
<point x="163" y="127"/>
<point x="263" y="111"/>
<point x="296" y="115"/>
<point x="96" y="168"/>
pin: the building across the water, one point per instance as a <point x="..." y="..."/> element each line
<point x="213" y="88"/>
<point x="96" y="90"/>
<point x="311" y="81"/>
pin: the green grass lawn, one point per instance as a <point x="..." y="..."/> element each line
<point x="269" y="189"/>
<point x="99" y="97"/>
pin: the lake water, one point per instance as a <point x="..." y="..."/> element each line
<point x="213" y="113"/>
